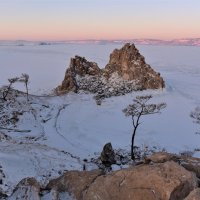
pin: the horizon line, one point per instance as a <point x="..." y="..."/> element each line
<point x="64" y="40"/>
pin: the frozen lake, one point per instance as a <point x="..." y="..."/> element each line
<point x="180" y="67"/>
<point x="82" y="127"/>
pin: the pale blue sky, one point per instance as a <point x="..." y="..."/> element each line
<point x="99" y="19"/>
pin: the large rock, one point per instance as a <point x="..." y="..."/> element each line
<point x="167" y="181"/>
<point x="79" y="66"/>
<point x="161" y="178"/>
<point x="131" y="65"/>
<point x="125" y="72"/>
<point x="74" y="182"/>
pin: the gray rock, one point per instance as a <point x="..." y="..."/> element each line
<point x="108" y="155"/>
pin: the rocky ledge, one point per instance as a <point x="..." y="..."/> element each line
<point x="161" y="176"/>
<point x="126" y="71"/>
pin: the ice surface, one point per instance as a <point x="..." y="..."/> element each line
<point x="76" y="127"/>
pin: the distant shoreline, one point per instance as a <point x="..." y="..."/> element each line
<point x="156" y="42"/>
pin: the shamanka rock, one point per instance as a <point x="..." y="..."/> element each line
<point x="126" y="71"/>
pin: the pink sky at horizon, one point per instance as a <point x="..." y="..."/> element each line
<point x="105" y="20"/>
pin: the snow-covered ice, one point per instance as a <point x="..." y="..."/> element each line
<point x="66" y="129"/>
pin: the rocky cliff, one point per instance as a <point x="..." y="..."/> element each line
<point x="130" y="65"/>
<point x="126" y="71"/>
<point x="79" y="67"/>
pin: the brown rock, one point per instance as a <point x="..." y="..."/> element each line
<point x="69" y="82"/>
<point x="130" y="65"/>
<point x="27" y="189"/>
<point x="125" y="72"/>
<point x="189" y="163"/>
<point x="161" y="157"/>
<point x="194" y="195"/>
<point x="79" y="66"/>
<point x="74" y="182"/>
<point x="165" y="181"/>
<point x="158" y="180"/>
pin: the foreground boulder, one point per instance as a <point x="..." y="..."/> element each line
<point x="166" y="181"/>
<point x="126" y="71"/>
<point x="74" y="182"/>
<point x="161" y="176"/>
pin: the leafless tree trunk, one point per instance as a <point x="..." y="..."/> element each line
<point x="138" y="109"/>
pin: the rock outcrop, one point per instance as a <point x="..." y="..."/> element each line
<point x="165" y="181"/>
<point x="125" y="72"/>
<point x="130" y="65"/>
<point x="108" y="155"/>
<point x="162" y="177"/>
<point x="79" y="66"/>
<point x="74" y="182"/>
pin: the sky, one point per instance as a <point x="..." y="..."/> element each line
<point x="99" y="19"/>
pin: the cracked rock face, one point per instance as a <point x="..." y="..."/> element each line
<point x="79" y="67"/>
<point x="165" y="181"/>
<point x="125" y="72"/>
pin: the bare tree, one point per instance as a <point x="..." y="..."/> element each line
<point x="139" y="108"/>
<point x="6" y="89"/>
<point x="25" y="79"/>
<point x="196" y="115"/>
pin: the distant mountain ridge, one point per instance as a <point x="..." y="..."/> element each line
<point x="174" y="42"/>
